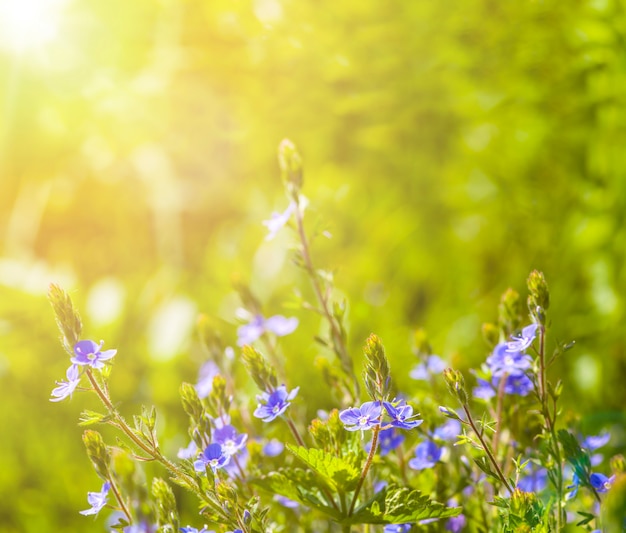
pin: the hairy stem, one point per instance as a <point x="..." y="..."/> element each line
<point x="487" y="449"/>
<point x="366" y="468"/>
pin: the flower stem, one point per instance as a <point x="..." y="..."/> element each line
<point x="487" y="449"/>
<point x="366" y="468"/>
<point x="336" y="335"/>
<point x="120" y="500"/>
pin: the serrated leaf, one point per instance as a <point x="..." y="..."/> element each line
<point x="397" y="505"/>
<point x="339" y="475"/>
<point x="89" y="418"/>
<point x="298" y="485"/>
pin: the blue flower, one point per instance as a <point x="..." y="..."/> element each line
<point x="278" y="220"/>
<point x="449" y="431"/>
<point x="397" y="528"/>
<point x="212" y="456"/>
<point x="484" y="391"/>
<point x="97" y="500"/>
<point x="89" y="353"/>
<point x="389" y="439"/>
<point x="205" y="378"/>
<point x="274" y="403"/>
<point x="187" y="453"/>
<point x="520" y="385"/>
<point x="190" y="529"/>
<point x="535" y="480"/>
<point x="278" y="325"/>
<point x="456" y="523"/>
<point x="273" y="448"/>
<point x="433" y="365"/>
<point x="592" y="443"/>
<point x="426" y="456"/>
<point x="523" y="341"/>
<point x="230" y="440"/>
<point x="66" y="388"/>
<point x="600" y="482"/>
<point x="285" y="502"/>
<point x="361" y="418"/>
<point x="503" y="361"/>
<point x="401" y="415"/>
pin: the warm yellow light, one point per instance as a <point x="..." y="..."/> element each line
<point x="29" y="24"/>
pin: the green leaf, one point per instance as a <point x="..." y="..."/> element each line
<point x="298" y="485"/>
<point x="338" y="474"/>
<point x="89" y="418"/>
<point x="397" y="505"/>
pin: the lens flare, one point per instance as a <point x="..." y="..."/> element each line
<point x="29" y="24"/>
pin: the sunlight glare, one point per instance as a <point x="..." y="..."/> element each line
<point x="29" y="24"/>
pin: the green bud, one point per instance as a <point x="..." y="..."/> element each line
<point x="218" y="399"/>
<point x="377" y="375"/>
<point x="166" y="509"/>
<point x="262" y="373"/>
<point x="67" y="318"/>
<point x="509" y="312"/>
<point x="526" y="506"/>
<point x="124" y="468"/>
<point x="191" y="402"/>
<point x="98" y="452"/>
<point x="456" y="385"/>
<point x="290" y="164"/>
<point x="321" y="434"/>
<point x="618" y="464"/>
<point x="538" y="289"/>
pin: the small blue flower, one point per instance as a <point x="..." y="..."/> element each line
<point x="484" y="391"/>
<point x="397" y="528"/>
<point x="432" y="366"/>
<point x="273" y="448"/>
<point x="456" y="523"/>
<point x="401" y="415"/>
<point x="97" y="500"/>
<point x="523" y="341"/>
<point x="278" y="220"/>
<point x="388" y="439"/>
<point x="286" y="502"/>
<point x="187" y="453"/>
<point x="212" y="456"/>
<point x="427" y="454"/>
<point x="361" y="418"/>
<point x="190" y="529"/>
<point x="520" y="385"/>
<point x="503" y="361"/>
<point x="600" y="482"/>
<point x="274" y="403"/>
<point x="89" y="353"/>
<point x="205" y="378"/>
<point x="278" y="325"/>
<point x="534" y="480"/>
<point x="66" y="388"/>
<point x="231" y="441"/>
<point x="592" y="443"/>
<point x="449" y="431"/>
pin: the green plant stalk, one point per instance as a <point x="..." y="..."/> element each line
<point x="550" y="421"/>
<point x="338" y="344"/>
<point x="154" y="453"/>
<point x="366" y="468"/>
<point x="487" y="449"/>
<point x="500" y="399"/>
<point x="120" y="500"/>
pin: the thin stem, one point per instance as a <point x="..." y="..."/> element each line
<point x="496" y="436"/>
<point x="123" y="425"/>
<point x="366" y="468"/>
<point x="294" y="431"/>
<point x="120" y="500"/>
<point x="337" y="337"/>
<point x="487" y="449"/>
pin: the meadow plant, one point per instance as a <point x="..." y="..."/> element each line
<point x="496" y="456"/>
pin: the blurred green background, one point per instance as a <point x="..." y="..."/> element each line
<point x="449" y="148"/>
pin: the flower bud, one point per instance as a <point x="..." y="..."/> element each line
<point x="377" y="375"/>
<point x="456" y="385"/>
<point x="290" y="164"/>
<point x="98" y="452"/>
